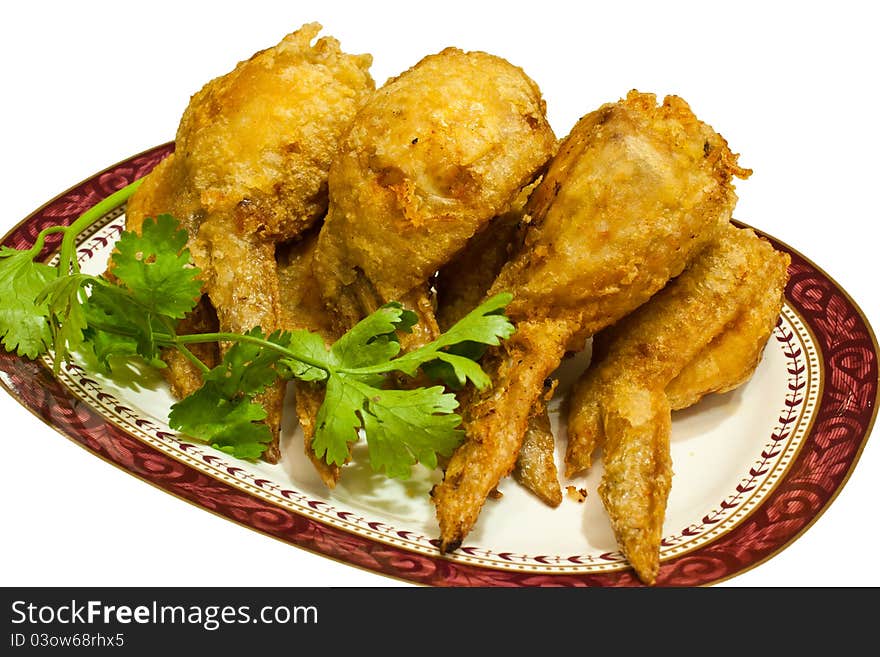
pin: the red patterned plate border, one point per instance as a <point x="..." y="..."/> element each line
<point x="843" y="421"/>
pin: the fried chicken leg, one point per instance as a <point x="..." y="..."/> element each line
<point x="706" y="330"/>
<point x="431" y="158"/>
<point x="635" y="191"/>
<point x="434" y="155"/>
<point x="250" y="168"/>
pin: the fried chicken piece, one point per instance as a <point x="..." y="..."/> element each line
<point x="635" y="191"/>
<point x="250" y="169"/>
<point x="730" y="359"/>
<point x="536" y="462"/>
<point x="434" y="155"/>
<point x="257" y="142"/>
<point x="705" y="332"/>
<point x="303" y="309"/>
<point x="461" y="286"/>
<point x="638" y="474"/>
<point x="621" y="402"/>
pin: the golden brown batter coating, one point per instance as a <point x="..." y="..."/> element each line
<point x="708" y="326"/>
<point x="182" y="375"/>
<point x="638" y="474"/>
<point x="434" y="155"/>
<point x="250" y="168"/>
<point x="730" y="359"/>
<point x="729" y="298"/>
<point x="257" y="142"/>
<point x="635" y="191"/>
<point x="461" y="286"/>
<point x="536" y="462"/>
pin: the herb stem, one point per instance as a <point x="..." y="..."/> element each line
<point x="41" y="239"/>
<point x="180" y="341"/>
<point x="239" y="337"/>
<point x="195" y="360"/>
<point x="90" y="216"/>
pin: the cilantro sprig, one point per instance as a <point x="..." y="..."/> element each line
<point x="58" y="310"/>
<point x="26" y="318"/>
<point x="402" y="427"/>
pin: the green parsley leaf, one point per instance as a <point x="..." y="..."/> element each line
<point x="337" y="423"/>
<point x="232" y="425"/>
<point x="402" y="427"/>
<point x="156" y="285"/>
<point x="484" y="325"/>
<point x="110" y="349"/>
<point x="33" y="318"/>
<point x="157" y="269"/>
<point x="311" y="347"/>
<point x="113" y="310"/>
<point x="439" y="370"/>
<point x="65" y="297"/>
<point x="24" y="322"/>
<point x="248" y="368"/>
<point x="373" y="340"/>
<point x="223" y="412"/>
<point x="405" y="427"/>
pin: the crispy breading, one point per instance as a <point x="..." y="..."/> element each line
<point x="518" y="367"/>
<point x="461" y="285"/>
<point x="301" y="305"/>
<point x="536" y="462"/>
<point x="435" y="154"/>
<point x="250" y="168"/>
<point x="183" y="376"/>
<point x="730" y="359"/>
<point x="678" y="334"/>
<point x="638" y="474"/>
<point x="257" y="142"/>
<point x="429" y="160"/>
<point x="730" y="297"/>
<point x="634" y="192"/>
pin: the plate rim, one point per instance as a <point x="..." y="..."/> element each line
<point x="443" y="572"/>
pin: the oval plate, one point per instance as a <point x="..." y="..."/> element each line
<point x="753" y="468"/>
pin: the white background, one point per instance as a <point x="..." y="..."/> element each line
<point x="792" y="86"/>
